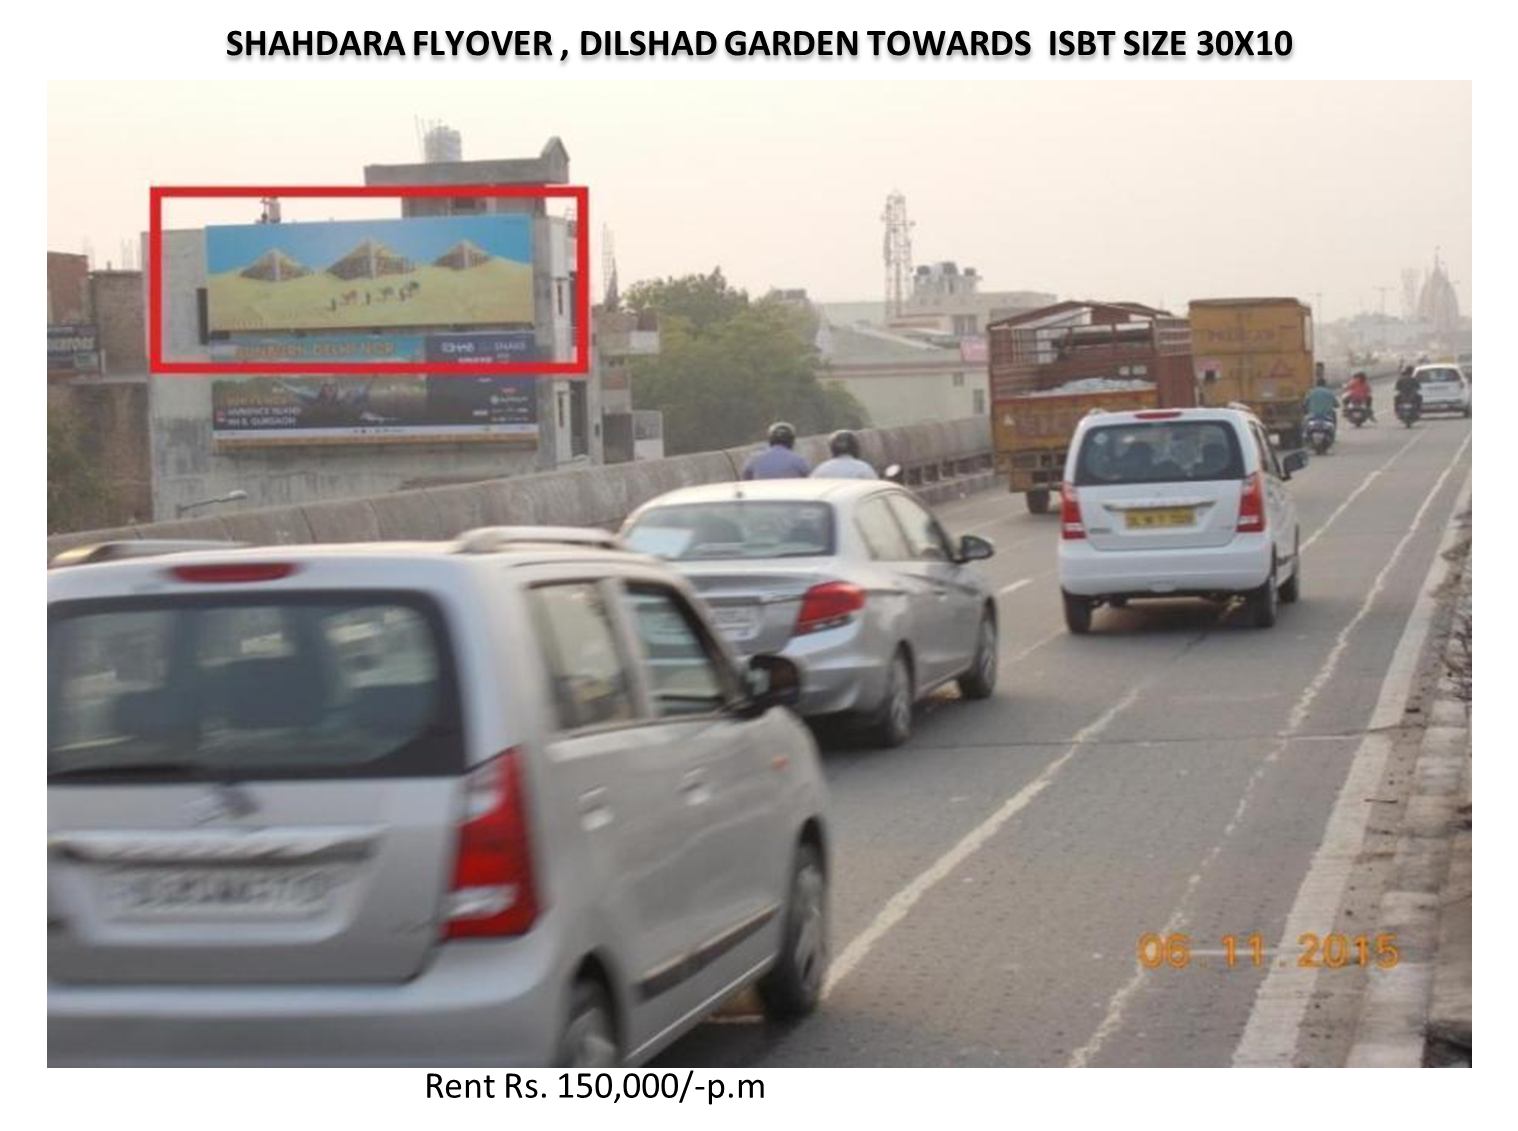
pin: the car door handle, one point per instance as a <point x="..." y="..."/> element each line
<point x="595" y="809"/>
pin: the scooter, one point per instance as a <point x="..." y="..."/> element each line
<point x="1408" y="412"/>
<point x="1319" y="433"/>
<point x="1357" y="412"/>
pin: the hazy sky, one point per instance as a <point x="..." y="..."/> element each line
<point x="1146" y="191"/>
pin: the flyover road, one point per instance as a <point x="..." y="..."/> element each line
<point x="1173" y="772"/>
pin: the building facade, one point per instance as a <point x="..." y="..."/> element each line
<point x="198" y="454"/>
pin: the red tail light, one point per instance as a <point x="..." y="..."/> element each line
<point x="828" y="606"/>
<point x="1071" y="527"/>
<point x="492" y="892"/>
<point x="1252" y="505"/>
<point x="1158" y="414"/>
<point x="234" y="572"/>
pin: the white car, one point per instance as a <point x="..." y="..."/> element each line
<point x="1177" y="503"/>
<point x="507" y="800"/>
<point x="1444" y="389"/>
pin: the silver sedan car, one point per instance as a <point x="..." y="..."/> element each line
<point x="855" y="580"/>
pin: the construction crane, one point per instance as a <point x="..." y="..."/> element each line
<point x="897" y="253"/>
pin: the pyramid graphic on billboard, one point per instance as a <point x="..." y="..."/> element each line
<point x="274" y="266"/>
<point x="462" y="255"/>
<point x="371" y="260"/>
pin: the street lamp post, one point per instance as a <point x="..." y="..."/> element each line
<point x="230" y="497"/>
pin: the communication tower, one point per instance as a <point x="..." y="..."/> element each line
<point x="897" y="253"/>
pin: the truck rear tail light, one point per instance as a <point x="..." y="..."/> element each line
<point x="234" y="572"/>
<point x="1158" y="414"/>
<point x="828" y="605"/>
<point x="492" y="893"/>
<point x="1071" y="527"/>
<point x="1252" y="505"/>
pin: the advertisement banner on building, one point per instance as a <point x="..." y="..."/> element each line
<point x="73" y="349"/>
<point x="369" y="274"/>
<point x="482" y="347"/>
<point x="321" y="348"/>
<point x="323" y="410"/>
<point x="973" y="349"/>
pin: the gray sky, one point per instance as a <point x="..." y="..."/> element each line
<point x="1147" y="191"/>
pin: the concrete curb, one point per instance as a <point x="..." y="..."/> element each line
<point x="1426" y="998"/>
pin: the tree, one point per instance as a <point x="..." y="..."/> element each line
<point x="728" y="367"/>
<point x="76" y="493"/>
<point x="703" y="301"/>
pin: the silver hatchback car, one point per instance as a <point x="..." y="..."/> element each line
<point x="509" y="800"/>
<point x="854" y="579"/>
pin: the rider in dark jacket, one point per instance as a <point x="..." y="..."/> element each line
<point x="1408" y="389"/>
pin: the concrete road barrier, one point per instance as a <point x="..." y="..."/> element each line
<point x="944" y="458"/>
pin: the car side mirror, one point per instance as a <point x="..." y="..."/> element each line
<point x="974" y="548"/>
<point x="1293" y="461"/>
<point x="773" y="681"/>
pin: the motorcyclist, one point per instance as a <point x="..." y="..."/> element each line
<point x="779" y="460"/>
<point x="1358" y="389"/>
<point x="1408" y="389"/>
<point x="845" y="463"/>
<point x="1321" y="402"/>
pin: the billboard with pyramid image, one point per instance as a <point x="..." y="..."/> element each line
<point x="370" y="274"/>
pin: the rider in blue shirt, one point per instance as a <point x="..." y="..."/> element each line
<point x="779" y="460"/>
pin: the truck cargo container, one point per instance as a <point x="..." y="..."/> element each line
<point x="1050" y="367"/>
<point x="1257" y="352"/>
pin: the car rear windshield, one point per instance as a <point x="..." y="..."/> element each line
<point x="1181" y="451"/>
<point x="736" y="528"/>
<point x="1438" y="376"/>
<point x="292" y="686"/>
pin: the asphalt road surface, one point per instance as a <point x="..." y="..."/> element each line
<point x="1173" y="772"/>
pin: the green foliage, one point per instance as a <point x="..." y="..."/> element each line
<point x="728" y="367"/>
<point x="76" y="493"/>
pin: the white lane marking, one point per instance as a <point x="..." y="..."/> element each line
<point x="1014" y="587"/>
<point x="1355" y="494"/>
<point x="1360" y="777"/>
<point x="897" y="907"/>
<point x="1280" y="1006"/>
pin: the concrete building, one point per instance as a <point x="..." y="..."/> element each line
<point x="901" y="378"/>
<point x="928" y="362"/>
<point x="190" y="465"/>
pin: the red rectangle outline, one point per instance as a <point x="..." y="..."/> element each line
<point x="157" y="194"/>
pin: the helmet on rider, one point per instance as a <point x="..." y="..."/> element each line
<point x="782" y="434"/>
<point x="844" y="443"/>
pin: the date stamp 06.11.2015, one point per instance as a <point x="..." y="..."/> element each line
<point x="1332" y="951"/>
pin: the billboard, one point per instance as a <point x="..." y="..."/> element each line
<point x="370" y="274"/>
<point x="270" y="411"/>
<point x="73" y="349"/>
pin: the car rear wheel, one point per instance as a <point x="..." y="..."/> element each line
<point x="590" y="1036"/>
<point x="980" y="681"/>
<point x="1262" y="602"/>
<point x="793" y="987"/>
<point x="1293" y="587"/>
<point x="1038" y="501"/>
<point x="893" y="725"/>
<point x="1077" y="613"/>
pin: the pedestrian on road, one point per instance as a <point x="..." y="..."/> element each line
<point x="845" y="463"/>
<point x="779" y="460"/>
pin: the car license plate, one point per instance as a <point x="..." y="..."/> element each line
<point x="737" y="622"/>
<point x="220" y="893"/>
<point x="1149" y="519"/>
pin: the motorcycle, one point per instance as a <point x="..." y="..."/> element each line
<point x="1320" y="433"/>
<point x="1357" y="412"/>
<point x="1408" y="412"/>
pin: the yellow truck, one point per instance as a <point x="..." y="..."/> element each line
<point x="1258" y="352"/>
